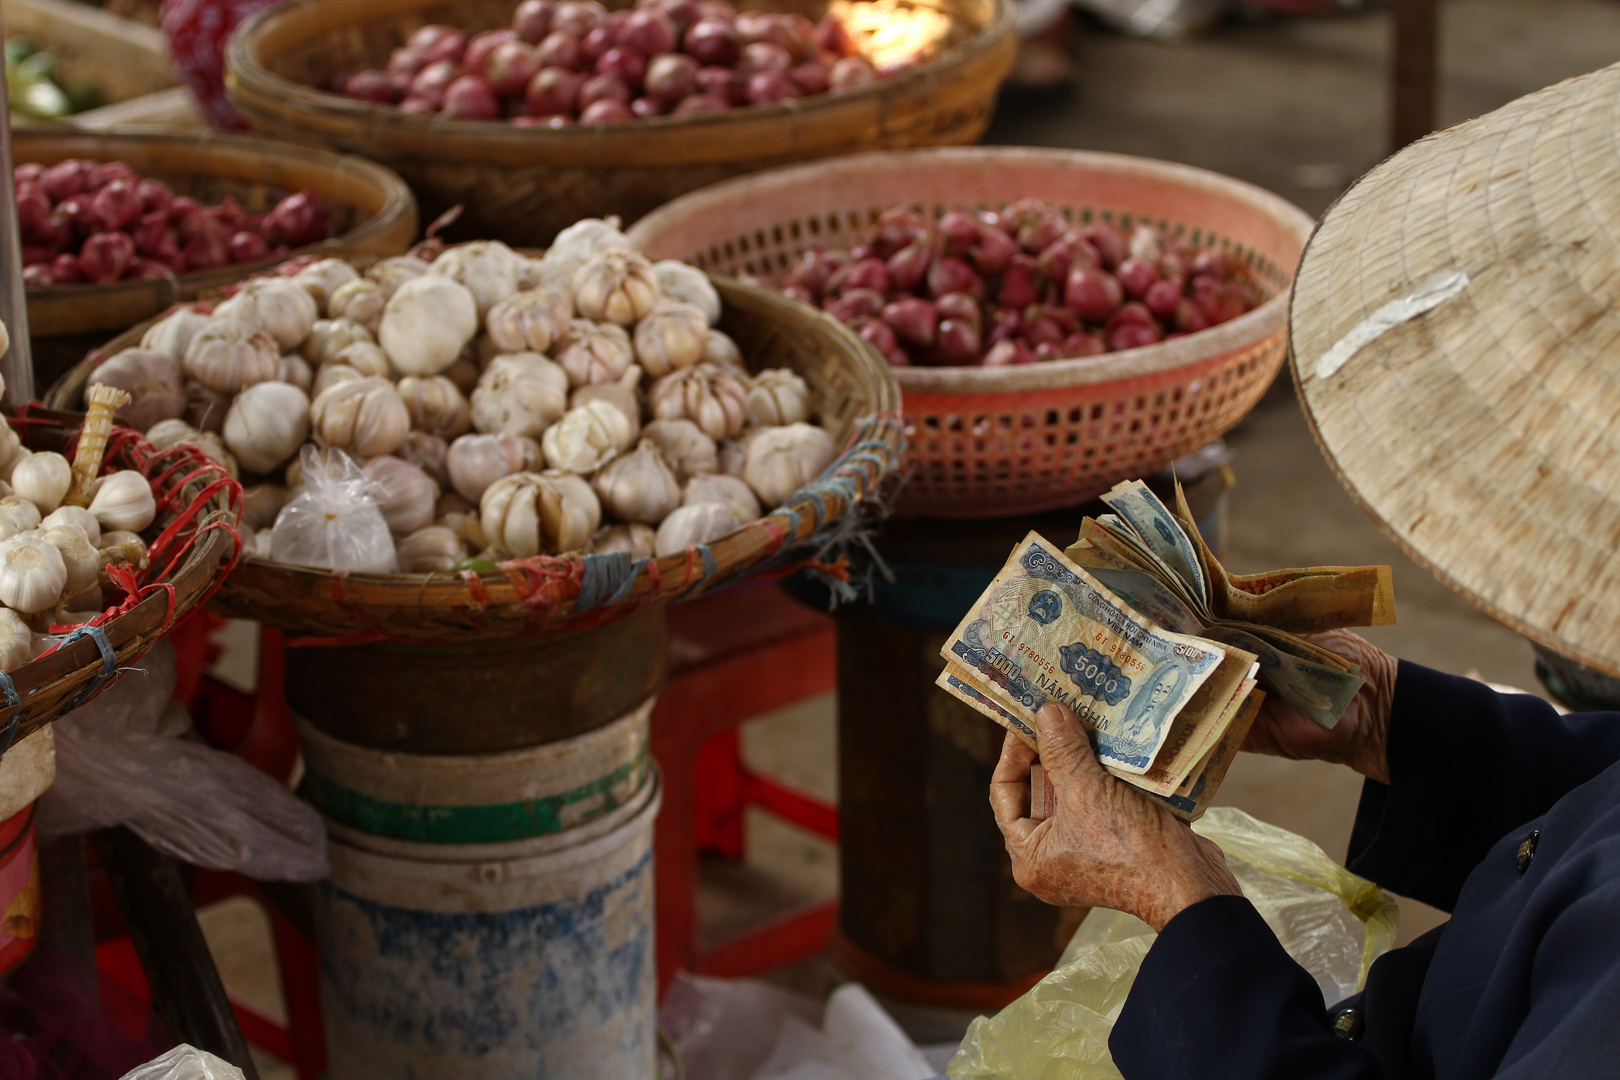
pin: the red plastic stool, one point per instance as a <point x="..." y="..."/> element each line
<point x="735" y="656"/>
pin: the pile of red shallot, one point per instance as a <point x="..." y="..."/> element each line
<point x="574" y="62"/>
<point x="1018" y="285"/>
<point x="91" y="222"/>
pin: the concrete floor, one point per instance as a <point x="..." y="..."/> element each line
<point x="1297" y="106"/>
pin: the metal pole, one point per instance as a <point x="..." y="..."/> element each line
<point x="17" y="366"/>
<point x="1415" y="42"/>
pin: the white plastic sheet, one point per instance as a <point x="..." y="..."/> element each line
<point x="185" y="1062"/>
<point x="335" y="521"/>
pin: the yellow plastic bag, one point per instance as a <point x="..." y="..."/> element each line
<point x="1333" y="922"/>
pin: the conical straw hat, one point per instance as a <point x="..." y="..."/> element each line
<point x="1456" y="342"/>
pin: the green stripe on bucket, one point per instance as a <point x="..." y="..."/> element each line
<point x="491" y="823"/>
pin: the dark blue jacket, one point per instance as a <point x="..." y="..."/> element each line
<point x="1499" y="811"/>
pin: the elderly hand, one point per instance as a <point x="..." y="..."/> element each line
<point x="1361" y="737"/>
<point x="1105" y="845"/>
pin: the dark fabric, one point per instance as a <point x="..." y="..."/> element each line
<point x="1523" y="982"/>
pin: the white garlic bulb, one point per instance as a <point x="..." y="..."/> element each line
<point x="728" y="491"/>
<point x="635" y="540"/>
<point x="395" y="271"/>
<point x="781" y="460"/>
<point x="688" y="451"/>
<point x="328" y="337"/>
<point x="584" y="238"/>
<point x="17" y="515"/>
<point x="519" y="394"/>
<point x="267" y="424"/>
<point x="406" y="495"/>
<point x="330" y="375"/>
<point x="638" y="486"/>
<point x="228" y="354"/>
<point x="276" y="305"/>
<point x="435" y="405"/>
<point x="594" y="353"/>
<point x="18" y="455"/>
<point x="260" y="504"/>
<point x="524" y="322"/>
<point x="320" y="279"/>
<point x="78" y="555"/>
<point x="670" y="337"/>
<point x="615" y="286"/>
<point x="366" y="358"/>
<point x="170" y="433"/>
<point x="546" y="513"/>
<point x="205" y="408"/>
<point x="295" y="371"/>
<point x="122" y="546"/>
<point x="11" y="447"/>
<point x="123" y="500"/>
<point x="465" y="524"/>
<point x="718" y="348"/>
<point x="689" y="285"/>
<point x="587" y="438"/>
<point x="43" y="479"/>
<point x="426" y="324"/>
<point x="621" y="395"/>
<point x="689" y="526"/>
<point x="486" y="267"/>
<point x="360" y="301"/>
<point x="172" y="334"/>
<point x="427" y="452"/>
<point x="432" y="549"/>
<point x="154" y="383"/>
<point x="477" y="461"/>
<point x="32" y="574"/>
<point x="711" y="397"/>
<point x="365" y="416"/>
<point x="74" y="515"/>
<point x="16" y="641"/>
<point x="778" y="396"/>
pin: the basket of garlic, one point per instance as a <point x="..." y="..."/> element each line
<point x="105" y="543"/>
<point x="473" y="441"/>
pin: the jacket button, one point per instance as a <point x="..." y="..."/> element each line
<point x="1347" y="1024"/>
<point x="1527" y="850"/>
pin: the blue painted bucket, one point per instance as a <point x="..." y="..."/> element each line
<point x="538" y="963"/>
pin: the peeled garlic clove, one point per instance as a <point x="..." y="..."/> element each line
<point x="406" y="495"/>
<point x="728" y="491"/>
<point x="477" y="461"/>
<point x="276" y="305"/>
<point x="366" y="417"/>
<point x="322" y="278"/>
<point x="154" y="383"/>
<point x="43" y="479"/>
<point x="427" y="452"/>
<point x="395" y="271"/>
<point x="17" y="515"/>
<point x="328" y="337"/>
<point x="781" y="460"/>
<point x="78" y="555"/>
<point x="689" y="526"/>
<point x="267" y="424"/>
<point x="433" y="549"/>
<point x="519" y="394"/>
<point x="616" y="286"/>
<point x="16" y="641"/>
<point x="718" y="348"/>
<point x="586" y="237"/>
<point x="74" y="515"/>
<point x="689" y="285"/>
<point x="261" y="503"/>
<point x="123" y="500"/>
<point x="688" y="451"/>
<point x="32" y="574"/>
<point x="621" y="394"/>
<point x="172" y="334"/>
<point x="330" y="375"/>
<point x="295" y="371"/>
<point x="671" y="337"/>
<point x="546" y="513"/>
<point x="205" y="408"/>
<point x="229" y="354"/>
<point x="488" y="268"/>
<point x="777" y="397"/>
<point x="595" y="352"/>
<point x="360" y="301"/>
<point x="638" y="486"/>
<point x="711" y="397"/>
<point x="435" y="405"/>
<point x="587" y="438"/>
<point x="426" y="324"/>
<point x="525" y="322"/>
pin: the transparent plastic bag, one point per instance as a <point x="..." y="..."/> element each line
<point x="185" y="1062"/>
<point x="335" y="521"/>
<point x="120" y="761"/>
<point x="1331" y="921"/>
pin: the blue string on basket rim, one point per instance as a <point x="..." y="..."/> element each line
<point x="109" y="660"/>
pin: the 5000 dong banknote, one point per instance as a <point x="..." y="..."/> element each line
<point x="1047" y="631"/>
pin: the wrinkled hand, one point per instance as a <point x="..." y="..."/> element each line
<point x="1105" y="845"/>
<point x="1361" y="737"/>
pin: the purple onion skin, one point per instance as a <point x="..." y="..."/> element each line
<point x="914" y="321"/>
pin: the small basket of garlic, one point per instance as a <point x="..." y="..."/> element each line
<point x="474" y="441"/>
<point x="105" y="543"/>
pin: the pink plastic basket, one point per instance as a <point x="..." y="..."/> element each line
<point x="989" y="442"/>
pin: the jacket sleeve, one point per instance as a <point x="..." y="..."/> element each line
<point x="1467" y="765"/>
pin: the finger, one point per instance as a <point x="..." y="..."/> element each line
<point x="1010" y="805"/>
<point x="1009" y="784"/>
<point x="1016" y="758"/>
<point x="1065" y="750"/>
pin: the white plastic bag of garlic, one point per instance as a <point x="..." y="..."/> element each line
<point x="499" y="405"/>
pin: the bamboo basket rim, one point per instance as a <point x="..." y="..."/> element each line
<point x="54" y="684"/>
<point x="654" y="138"/>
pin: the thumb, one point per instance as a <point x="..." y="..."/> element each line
<point x="1065" y="750"/>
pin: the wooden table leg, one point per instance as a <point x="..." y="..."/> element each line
<point x="1415" y="41"/>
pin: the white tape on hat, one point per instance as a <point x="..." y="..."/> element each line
<point x="1428" y="296"/>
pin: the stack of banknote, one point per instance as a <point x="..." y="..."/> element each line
<point x="1161" y="654"/>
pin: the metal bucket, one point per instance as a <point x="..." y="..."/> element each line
<point x="537" y="964"/>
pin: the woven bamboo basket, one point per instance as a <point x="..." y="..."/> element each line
<point x="194" y="544"/>
<point x="524" y="184"/>
<point x="857" y="402"/>
<point x="371" y="211"/>
<point x="992" y="442"/>
<point x="124" y="59"/>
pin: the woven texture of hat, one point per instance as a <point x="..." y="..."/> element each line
<point x="1484" y="434"/>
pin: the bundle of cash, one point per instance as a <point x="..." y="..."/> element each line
<point x="1140" y="632"/>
